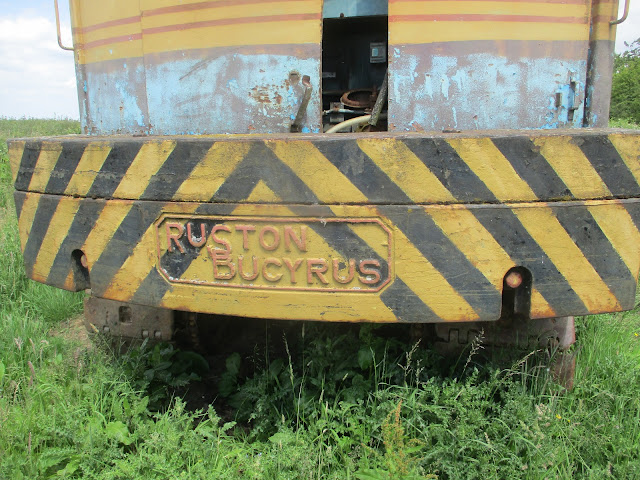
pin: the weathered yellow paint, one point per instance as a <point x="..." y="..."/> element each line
<point x="616" y="223"/>
<point x="262" y="194"/>
<point x="571" y="165"/>
<point x="488" y="8"/>
<point x="58" y="229"/>
<point x="472" y="239"/>
<point x="135" y="269"/>
<point x="147" y="163"/>
<point x="108" y="222"/>
<point x="429" y="285"/>
<point x="47" y="159"/>
<point x="628" y="146"/>
<point x="211" y="11"/>
<point x="268" y="33"/>
<point x="406" y="33"/>
<point x="321" y="176"/>
<point x="546" y="230"/>
<point x="221" y="159"/>
<point x="16" y="149"/>
<point x="88" y="13"/>
<point x="604" y="11"/>
<point x="405" y="169"/>
<point x="338" y="307"/>
<point x="540" y="308"/>
<point x="92" y="160"/>
<point x="27" y="214"/>
<point x="495" y="171"/>
<point x="115" y="51"/>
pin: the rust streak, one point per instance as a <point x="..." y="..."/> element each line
<point x="107" y="41"/>
<point x="110" y="23"/>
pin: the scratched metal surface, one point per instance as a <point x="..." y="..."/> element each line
<point x="197" y="68"/>
<point x="483" y="65"/>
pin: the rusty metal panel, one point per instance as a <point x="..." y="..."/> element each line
<point x="463" y="65"/>
<point x="197" y="67"/>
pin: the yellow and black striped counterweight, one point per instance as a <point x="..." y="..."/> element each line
<point x="370" y="227"/>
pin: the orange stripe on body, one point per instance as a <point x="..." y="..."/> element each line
<point x="475" y="17"/>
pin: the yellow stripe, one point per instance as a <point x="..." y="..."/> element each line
<point x="617" y="225"/>
<point x="406" y="33"/>
<point x="540" y="308"/>
<point x="319" y="174"/>
<point x="86" y="13"/>
<point x="428" y="283"/>
<point x="49" y="154"/>
<point x="495" y="171"/>
<point x="27" y="214"/>
<point x="573" y="167"/>
<point x="405" y="169"/>
<point x="108" y="222"/>
<point x="114" y="51"/>
<point x="138" y="265"/>
<point x="488" y="8"/>
<point x="473" y="240"/>
<point x="546" y="230"/>
<point x="212" y="171"/>
<point x="266" y="33"/>
<point x="57" y="230"/>
<point x="16" y="150"/>
<point x="628" y="146"/>
<point x="148" y="161"/>
<point x="231" y="12"/>
<point x="90" y="164"/>
<point x="135" y="269"/>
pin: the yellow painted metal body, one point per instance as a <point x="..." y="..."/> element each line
<point x="221" y="237"/>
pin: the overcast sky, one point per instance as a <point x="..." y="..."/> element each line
<point x="37" y="78"/>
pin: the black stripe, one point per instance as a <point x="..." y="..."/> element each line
<point x="454" y="266"/>
<point x="260" y="163"/>
<point x="587" y="235"/>
<point x="508" y="231"/>
<point x="18" y="200"/>
<point x="151" y="290"/>
<point x="113" y="169"/>
<point x="445" y="163"/>
<point x="27" y="164"/>
<point x="121" y="245"/>
<point x="633" y="208"/>
<point x="175" y="170"/>
<point x="83" y="222"/>
<point x="607" y="161"/>
<point x="405" y="305"/>
<point x="363" y="172"/>
<point x="533" y="168"/>
<point x="44" y="212"/>
<point x="65" y="166"/>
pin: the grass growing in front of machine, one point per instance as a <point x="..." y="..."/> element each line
<point x="354" y="405"/>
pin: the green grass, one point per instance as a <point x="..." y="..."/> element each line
<point x="354" y="405"/>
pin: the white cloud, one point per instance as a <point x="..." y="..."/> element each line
<point x="37" y="78"/>
<point x="629" y="30"/>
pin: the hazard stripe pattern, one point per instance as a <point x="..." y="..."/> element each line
<point x="486" y="204"/>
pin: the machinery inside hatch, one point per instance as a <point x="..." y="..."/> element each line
<point x="354" y="67"/>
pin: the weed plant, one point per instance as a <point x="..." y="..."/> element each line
<point x="358" y="405"/>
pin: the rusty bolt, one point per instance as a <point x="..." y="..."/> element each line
<point x="157" y="334"/>
<point x="83" y="261"/>
<point x="514" y="279"/>
<point x="145" y="333"/>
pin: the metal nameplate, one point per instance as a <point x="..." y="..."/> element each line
<point x="286" y="253"/>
